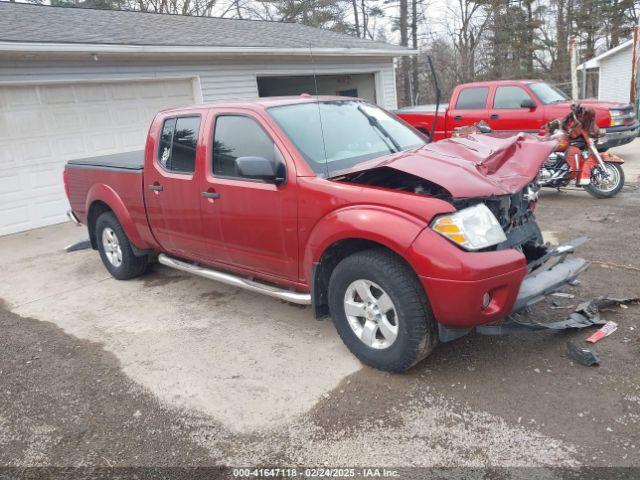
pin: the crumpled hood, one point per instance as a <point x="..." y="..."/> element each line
<point x="475" y="165"/>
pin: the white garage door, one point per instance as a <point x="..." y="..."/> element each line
<point x="43" y="126"/>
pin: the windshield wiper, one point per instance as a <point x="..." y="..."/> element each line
<point x="373" y="121"/>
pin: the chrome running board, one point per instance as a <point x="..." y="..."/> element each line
<point x="235" y="281"/>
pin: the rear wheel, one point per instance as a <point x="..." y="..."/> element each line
<point x="380" y="310"/>
<point x="606" y="186"/>
<point x="115" y="249"/>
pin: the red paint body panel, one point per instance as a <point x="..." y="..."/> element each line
<point x="120" y="190"/>
<point x="501" y="120"/>
<point x="460" y="279"/>
<point x="490" y="165"/>
<point x="277" y="232"/>
<point x="333" y="211"/>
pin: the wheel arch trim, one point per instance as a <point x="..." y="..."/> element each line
<point x="103" y="193"/>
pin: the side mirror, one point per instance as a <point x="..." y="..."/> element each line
<point x="528" y="103"/>
<point x="260" y="168"/>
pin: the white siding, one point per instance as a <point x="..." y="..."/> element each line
<point x="219" y="79"/>
<point x="42" y="127"/>
<point x="615" y="76"/>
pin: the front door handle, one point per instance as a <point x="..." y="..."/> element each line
<point x="457" y="117"/>
<point x="212" y="195"/>
<point x="155" y="187"/>
<point x="494" y="116"/>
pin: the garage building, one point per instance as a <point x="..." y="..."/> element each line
<point x="80" y="82"/>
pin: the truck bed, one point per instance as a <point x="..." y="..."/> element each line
<point x="116" y="180"/>
<point x="127" y="161"/>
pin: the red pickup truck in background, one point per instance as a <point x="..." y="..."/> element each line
<point x="332" y="203"/>
<point x="519" y="106"/>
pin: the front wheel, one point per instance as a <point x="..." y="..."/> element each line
<point x="608" y="186"/>
<point x="381" y="311"/>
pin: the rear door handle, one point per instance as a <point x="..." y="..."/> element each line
<point x="457" y="117"/>
<point x="212" y="195"/>
<point x="494" y="116"/>
<point x="157" y="188"/>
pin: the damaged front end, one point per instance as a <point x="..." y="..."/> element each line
<point x="468" y="173"/>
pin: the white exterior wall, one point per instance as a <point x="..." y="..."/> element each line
<point x="217" y="79"/>
<point x="615" y="76"/>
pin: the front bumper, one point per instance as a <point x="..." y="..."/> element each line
<point x="511" y="292"/>
<point x="616" y="136"/>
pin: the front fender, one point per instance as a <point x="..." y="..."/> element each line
<point x="394" y="229"/>
<point x="104" y="193"/>
<point x="611" y="157"/>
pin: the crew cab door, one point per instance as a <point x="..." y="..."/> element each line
<point x="171" y="185"/>
<point x="507" y="113"/>
<point x="257" y="218"/>
<point x="468" y="107"/>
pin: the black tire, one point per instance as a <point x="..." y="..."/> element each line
<point x="417" y="332"/>
<point x="596" y="192"/>
<point x="132" y="265"/>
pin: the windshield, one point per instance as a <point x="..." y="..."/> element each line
<point x="548" y="94"/>
<point x="338" y="134"/>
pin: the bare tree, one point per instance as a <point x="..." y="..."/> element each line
<point x="354" y="4"/>
<point x="404" y="62"/>
<point x="414" y="60"/>
<point x="469" y="21"/>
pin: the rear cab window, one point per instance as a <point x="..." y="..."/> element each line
<point x="472" y="98"/>
<point x="178" y="142"/>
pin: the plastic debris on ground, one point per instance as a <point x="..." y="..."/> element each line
<point x="563" y="295"/>
<point x="586" y="314"/>
<point x="606" y="330"/>
<point x="590" y="311"/>
<point x="582" y="355"/>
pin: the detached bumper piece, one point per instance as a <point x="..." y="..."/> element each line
<point x="547" y="275"/>
<point x="539" y="284"/>
<point x="550" y="273"/>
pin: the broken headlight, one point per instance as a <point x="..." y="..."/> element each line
<point x="471" y="228"/>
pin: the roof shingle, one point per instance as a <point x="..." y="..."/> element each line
<point x="45" y="24"/>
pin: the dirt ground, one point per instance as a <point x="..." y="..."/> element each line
<point x="173" y="370"/>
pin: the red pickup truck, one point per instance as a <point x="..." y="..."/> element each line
<point x="332" y="203"/>
<point x="519" y="106"/>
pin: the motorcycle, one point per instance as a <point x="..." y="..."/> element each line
<point x="577" y="158"/>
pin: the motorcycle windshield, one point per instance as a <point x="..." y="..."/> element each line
<point x="334" y="135"/>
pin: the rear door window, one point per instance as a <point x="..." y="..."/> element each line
<point x="473" y="98"/>
<point x="178" y="142"/>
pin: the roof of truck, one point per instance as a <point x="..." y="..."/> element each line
<point x="264" y="102"/>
